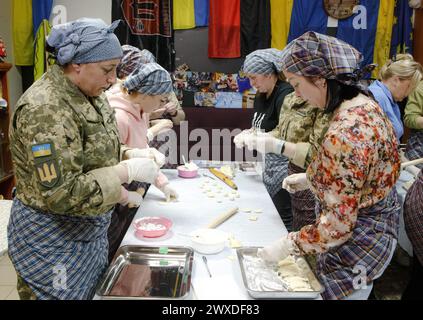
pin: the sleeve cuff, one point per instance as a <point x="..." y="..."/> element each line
<point x="109" y="184"/>
<point x="301" y="151"/>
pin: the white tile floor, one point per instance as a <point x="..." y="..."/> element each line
<point x="7" y="279"/>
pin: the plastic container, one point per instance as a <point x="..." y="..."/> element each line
<point x="183" y="172"/>
<point x="208" y="241"/>
<point x="151" y="227"/>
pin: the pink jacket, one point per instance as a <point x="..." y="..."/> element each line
<point x="132" y="124"/>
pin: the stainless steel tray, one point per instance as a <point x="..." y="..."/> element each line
<point x="276" y="294"/>
<point x="143" y="272"/>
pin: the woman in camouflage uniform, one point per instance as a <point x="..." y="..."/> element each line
<point x="67" y="155"/>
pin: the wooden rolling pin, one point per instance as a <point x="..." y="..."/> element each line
<point x="222" y="218"/>
<point x="411" y="163"/>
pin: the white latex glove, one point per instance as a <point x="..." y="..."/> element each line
<point x="264" y="143"/>
<point x="159" y="126"/>
<point x="169" y="192"/>
<point x="277" y="251"/>
<point x="171" y="107"/>
<point x="134" y="199"/>
<point x="150" y="153"/>
<point x="295" y="182"/>
<point x="141" y="169"/>
<point x="239" y="138"/>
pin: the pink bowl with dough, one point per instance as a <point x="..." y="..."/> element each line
<point x="151" y="227"/>
<point x="183" y="172"/>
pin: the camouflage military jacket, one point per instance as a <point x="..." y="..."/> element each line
<point x="62" y="145"/>
<point x="303" y="124"/>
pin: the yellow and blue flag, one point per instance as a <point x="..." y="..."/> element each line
<point x="402" y="32"/>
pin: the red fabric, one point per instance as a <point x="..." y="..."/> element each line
<point x="224" y="29"/>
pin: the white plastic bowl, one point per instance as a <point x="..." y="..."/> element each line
<point x="208" y="241"/>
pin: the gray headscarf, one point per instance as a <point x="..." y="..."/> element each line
<point x="149" y="79"/>
<point x="132" y="58"/>
<point x="85" y="40"/>
<point x="263" y="61"/>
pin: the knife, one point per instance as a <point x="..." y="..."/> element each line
<point x="223" y="177"/>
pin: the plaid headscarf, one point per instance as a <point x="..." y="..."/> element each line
<point x="317" y="55"/>
<point x="150" y="79"/>
<point x="264" y="61"/>
<point x="85" y="40"/>
<point x="132" y="58"/>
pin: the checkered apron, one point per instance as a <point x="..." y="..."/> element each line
<point x="303" y="204"/>
<point x="369" y="247"/>
<point x="414" y="148"/>
<point x="58" y="257"/>
<point x="413" y="216"/>
<point x="275" y="170"/>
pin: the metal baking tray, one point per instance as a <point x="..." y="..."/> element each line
<point x="244" y="252"/>
<point x="143" y="272"/>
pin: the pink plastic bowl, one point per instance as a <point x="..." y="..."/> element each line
<point x="163" y="225"/>
<point x="184" y="173"/>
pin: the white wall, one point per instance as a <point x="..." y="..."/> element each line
<point x="85" y="8"/>
<point x="13" y="76"/>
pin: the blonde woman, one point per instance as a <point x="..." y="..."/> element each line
<point x="398" y="78"/>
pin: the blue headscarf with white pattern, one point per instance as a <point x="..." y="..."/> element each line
<point x="263" y="61"/>
<point x="149" y="79"/>
<point x="85" y="40"/>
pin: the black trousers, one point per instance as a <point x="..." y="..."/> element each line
<point x="414" y="287"/>
<point x="282" y="202"/>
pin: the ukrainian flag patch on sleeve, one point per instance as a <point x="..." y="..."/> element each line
<point x="41" y="150"/>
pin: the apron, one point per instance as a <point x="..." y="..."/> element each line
<point x="303" y="204"/>
<point x="367" y="251"/>
<point x="58" y="256"/>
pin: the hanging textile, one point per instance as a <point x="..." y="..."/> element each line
<point x="280" y="19"/>
<point x="255" y="25"/>
<point x="402" y="32"/>
<point x="383" y="34"/>
<point x="201" y="9"/>
<point x="41" y="57"/>
<point x="224" y="29"/>
<point x="360" y="30"/>
<point x="23" y="38"/>
<point x="183" y="14"/>
<point x="307" y="16"/>
<point x="41" y="9"/>
<point x="147" y="24"/>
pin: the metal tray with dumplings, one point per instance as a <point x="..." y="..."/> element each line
<point x="144" y="272"/>
<point x="263" y="282"/>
